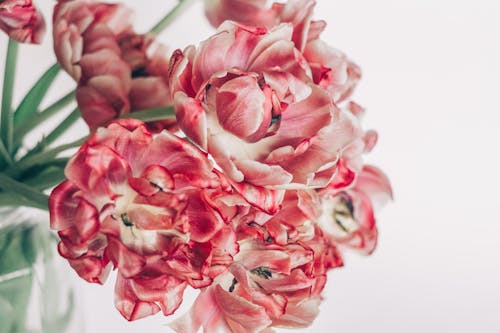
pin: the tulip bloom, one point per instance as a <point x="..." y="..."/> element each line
<point x="348" y="214"/>
<point x="141" y="204"/>
<point x="246" y="96"/>
<point x="22" y="21"/>
<point x="117" y="70"/>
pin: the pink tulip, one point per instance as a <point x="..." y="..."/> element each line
<point x="117" y="70"/>
<point x="71" y="21"/>
<point x="269" y="284"/>
<point x="144" y="205"/>
<point x="249" y="12"/>
<point x="246" y="96"/>
<point x="348" y="214"/>
<point x="331" y="68"/>
<point x="22" y="21"/>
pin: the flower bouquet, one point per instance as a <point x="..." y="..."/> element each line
<point x="234" y="167"/>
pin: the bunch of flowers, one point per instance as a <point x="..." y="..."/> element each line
<point x="234" y="167"/>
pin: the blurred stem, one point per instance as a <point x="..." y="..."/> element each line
<point x="35" y="198"/>
<point x="7" y="118"/>
<point x="170" y="17"/>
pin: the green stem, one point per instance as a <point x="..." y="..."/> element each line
<point x="7" y="118"/>
<point x="37" y="119"/>
<point x="150" y="115"/>
<point x="36" y="198"/>
<point x="170" y="17"/>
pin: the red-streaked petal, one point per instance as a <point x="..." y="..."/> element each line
<point x="166" y="290"/>
<point x="243" y="109"/>
<point x="267" y="200"/>
<point x="84" y="222"/>
<point x="128" y="262"/>
<point x="240" y="315"/>
<point x="63" y="205"/>
<point x="191" y="118"/>
<point x="129" y="304"/>
<point x="300" y="315"/>
<point x="203" y="221"/>
<point x="90" y="269"/>
<point x="375" y="184"/>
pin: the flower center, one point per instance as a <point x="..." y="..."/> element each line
<point x="338" y="216"/>
<point x="139" y="229"/>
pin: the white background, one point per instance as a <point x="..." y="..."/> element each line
<point x="431" y="87"/>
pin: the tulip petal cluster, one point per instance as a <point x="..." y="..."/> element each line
<point x="254" y="198"/>
<point x="117" y="70"/>
<point x="22" y="21"/>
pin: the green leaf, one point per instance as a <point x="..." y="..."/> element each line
<point x="6" y="118"/>
<point x="13" y="199"/>
<point x="5" y="155"/>
<point x="150" y="115"/>
<point x="40" y="158"/>
<point x="37" y="118"/>
<point x="31" y="102"/>
<point x="48" y="177"/>
<point x="63" y="127"/>
<point x="35" y="198"/>
<point x="170" y="17"/>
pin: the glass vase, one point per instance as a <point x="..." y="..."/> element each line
<point x="35" y="290"/>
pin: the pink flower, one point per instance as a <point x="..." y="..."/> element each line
<point x="143" y="204"/>
<point x="348" y="214"/>
<point x="273" y="280"/>
<point x="331" y="68"/>
<point x="247" y="98"/>
<point x="351" y="162"/>
<point x="294" y="222"/>
<point x="22" y="21"/>
<point x="249" y="12"/>
<point x="117" y="70"/>
<point x="267" y="286"/>
<point x="71" y="22"/>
